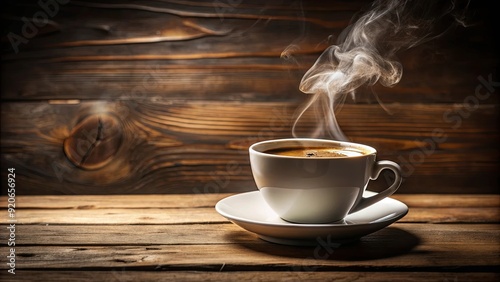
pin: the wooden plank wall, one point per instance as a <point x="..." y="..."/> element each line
<point x="175" y="91"/>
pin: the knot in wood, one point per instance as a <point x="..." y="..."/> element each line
<point x="94" y="141"/>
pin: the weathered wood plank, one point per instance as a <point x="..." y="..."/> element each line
<point x="246" y="122"/>
<point x="402" y="254"/>
<point x="172" y="20"/>
<point x="160" y="201"/>
<point x="217" y="179"/>
<point x="156" y="52"/>
<point x="189" y="234"/>
<point x="232" y="79"/>
<point x="124" y="274"/>
<point x="114" y="26"/>
<point x="209" y="200"/>
<point x="243" y="80"/>
<point x="209" y="215"/>
<point x="179" y="147"/>
<point x="118" y="216"/>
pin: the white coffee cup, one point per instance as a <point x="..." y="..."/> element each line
<point x="304" y="189"/>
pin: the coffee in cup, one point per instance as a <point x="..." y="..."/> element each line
<point x="306" y="180"/>
<point x="313" y="152"/>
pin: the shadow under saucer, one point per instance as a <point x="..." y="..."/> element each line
<point x="385" y="243"/>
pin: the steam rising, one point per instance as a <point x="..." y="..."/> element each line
<point x="366" y="54"/>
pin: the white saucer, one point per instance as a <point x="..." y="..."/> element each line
<point x="251" y="212"/>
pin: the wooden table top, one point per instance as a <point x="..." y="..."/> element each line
<point x="182" y="237"/>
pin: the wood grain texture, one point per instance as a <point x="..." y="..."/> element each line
<point x="201" y="147"/>
<point x="199" y="209"/>
<point x="122" y="274"/>
<point x="196" y="249"/>
<point x="199" y="50"/>
<point x="216" y="233"/>
<point x="402" y="254"/>
<point x="209" y="200"/>
<point x="192" y="83"/>
<point x="93" y="142"/>
<point x="208" y="215"/>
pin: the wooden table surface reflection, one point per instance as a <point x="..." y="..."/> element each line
<point x="183" y="238"/>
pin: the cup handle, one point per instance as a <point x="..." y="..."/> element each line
<point x="377" y="168"/>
